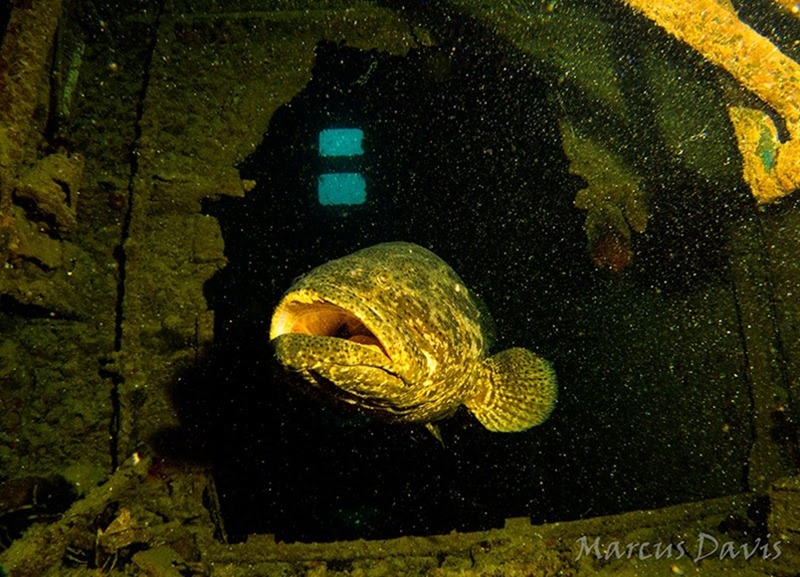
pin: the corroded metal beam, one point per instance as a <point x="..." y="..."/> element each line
<point x="24" y="67"/>
<point x="715" y="31"/>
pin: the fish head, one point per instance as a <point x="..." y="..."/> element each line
<point x="390" y="328"/>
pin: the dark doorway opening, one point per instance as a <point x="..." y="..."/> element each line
<point x="461" y="155"/>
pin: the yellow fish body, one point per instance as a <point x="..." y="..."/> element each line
<point x="393" y="330"/>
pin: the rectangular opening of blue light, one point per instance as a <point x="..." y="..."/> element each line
<point x="341" y="142"/>
<point x="341" y="188"/>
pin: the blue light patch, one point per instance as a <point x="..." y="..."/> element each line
<point x="341" y="188"/>
<point x="341" y="142"/>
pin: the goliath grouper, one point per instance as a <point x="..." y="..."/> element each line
<point x="393" y="330"/>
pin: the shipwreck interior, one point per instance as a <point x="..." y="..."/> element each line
<point x="168" y="169"/>
<point x="341" y="474"/>
<point x="488" y="188"/>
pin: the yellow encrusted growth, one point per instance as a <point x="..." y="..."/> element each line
<point x="615" y="201"/>
<point x="759" y="144"/>
<point x="714" y="30"/>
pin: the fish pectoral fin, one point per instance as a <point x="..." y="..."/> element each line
<point x="433" y="429"/>
<point x="516" y="390"/>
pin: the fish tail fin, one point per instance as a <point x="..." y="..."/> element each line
<point x="516" y="390"/>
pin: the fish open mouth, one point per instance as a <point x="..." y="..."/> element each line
<point x="326" y="320"/>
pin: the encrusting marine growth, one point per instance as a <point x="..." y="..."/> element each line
<point x="771" y="168"/>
